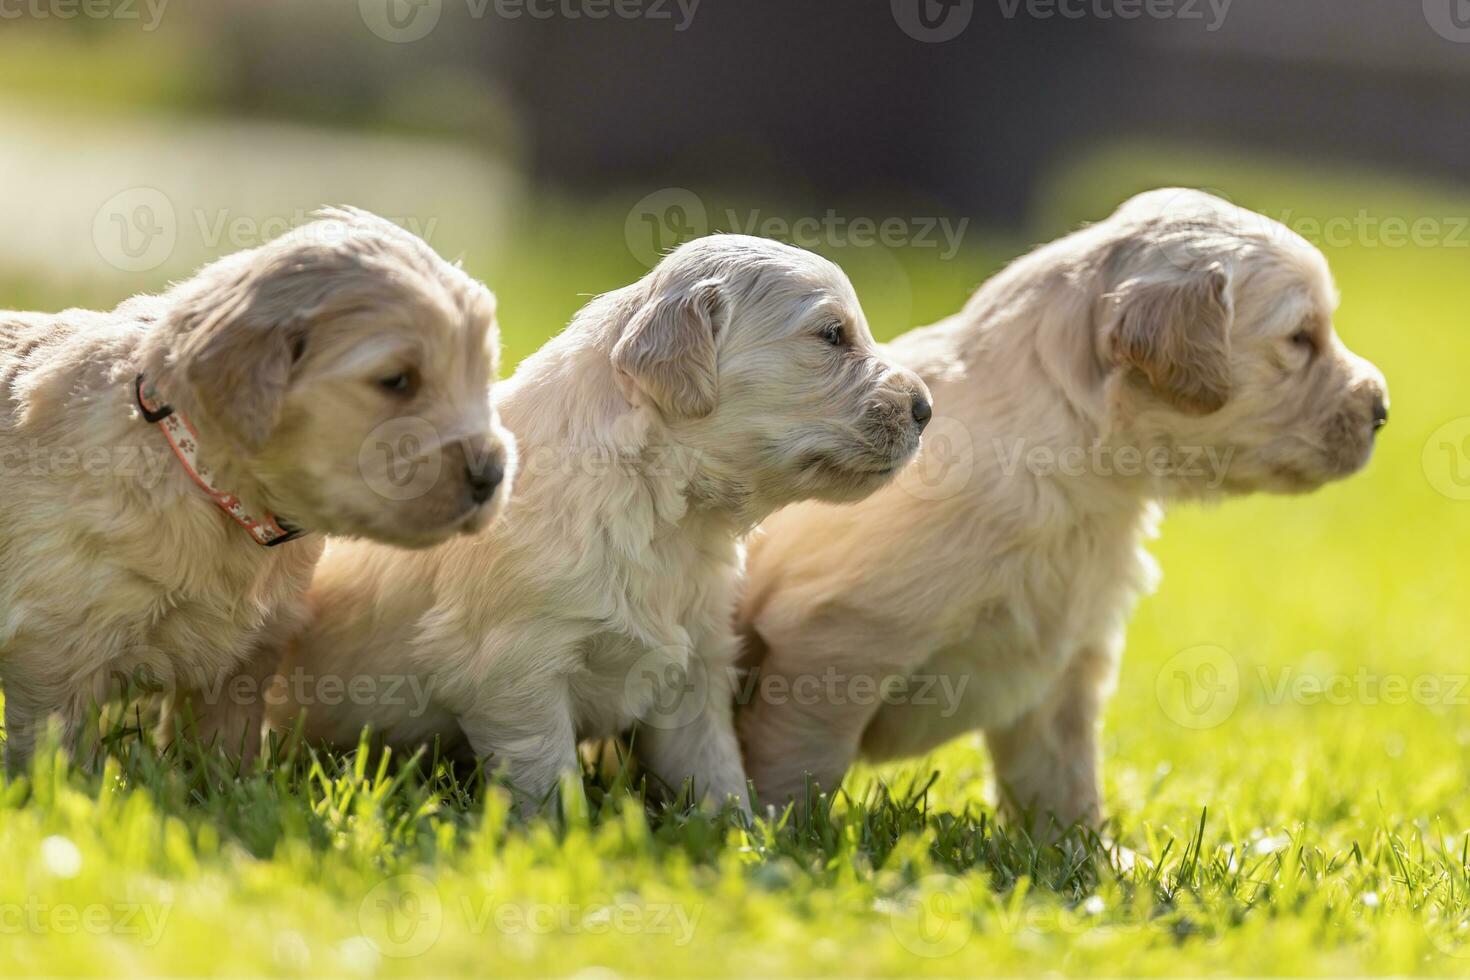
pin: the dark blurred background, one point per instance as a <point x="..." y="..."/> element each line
<point x="571" y="141"/>
<point x="962" y="102"/>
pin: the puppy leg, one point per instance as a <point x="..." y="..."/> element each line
<point x="790" y="736"/>
<point x="1046" y="762"/>
<point x="29" y="704"/>
<point x="21" y="720"/>
<point x="678" y="744"/>
<point x="531" y="739"/>
<point x="231" y="716"/>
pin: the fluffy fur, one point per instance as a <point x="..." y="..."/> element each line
<point x="115" y="567"/>
<point x="1181" y="348"/>
<point x="667" y="420"/>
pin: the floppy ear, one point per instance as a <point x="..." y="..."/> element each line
<point x="1177" y="333"/>
<point x="668" y="350"/>
<point x="240" y="338"/>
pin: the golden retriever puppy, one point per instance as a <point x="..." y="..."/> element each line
<point x="168" y="470"/>
<point x="1182" y="348"/>
<point x="667" y="420"/>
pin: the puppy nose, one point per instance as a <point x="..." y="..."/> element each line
<point x="923" y="411"/>
<point x="1380" y="414"/>
<point x="484" y="475"/>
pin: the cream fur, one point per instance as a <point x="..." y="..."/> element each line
<point x="121" y="570"/>
<point x="666" y="421"/>
<point x="1174" y="325"/>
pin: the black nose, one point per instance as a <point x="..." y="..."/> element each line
<point x="1380" y="415"/>
<point x="484" y="477"/>
<point x="922" y="411"/>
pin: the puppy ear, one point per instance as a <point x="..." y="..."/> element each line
<point x="668" y="350"/>
<point x="1177" y="333"/>
<point x="240" y="338"/>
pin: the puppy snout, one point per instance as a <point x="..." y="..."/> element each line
<point x="922" y="410"/>
<point x="484" y="468"/>
<point x="484" y="479"/>
<point x="1380" y="413"/>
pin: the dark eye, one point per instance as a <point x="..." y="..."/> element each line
<point x="834" y="335"/>
<point x="403" y="384"/>
<point x="1304" y="340"/>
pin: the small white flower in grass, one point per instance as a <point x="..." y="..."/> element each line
<point x="1094" y="905"/>
<point x="291" y="951"/>
<point x="359" y="956"/>
<point x="1270" y="845"/>
<point x="1370" y="900"/>
<point x="597" y="973"/>
<point x="61" y="857"/>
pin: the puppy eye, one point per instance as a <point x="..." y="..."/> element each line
<point x="1304" y="340"/>
<point x="403" y="384"/>
<point x="833" y="335"/>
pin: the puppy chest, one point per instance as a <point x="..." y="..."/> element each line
<point x="622" y="682"/>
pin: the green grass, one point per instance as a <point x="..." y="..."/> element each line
<point x="1296" y="835"/>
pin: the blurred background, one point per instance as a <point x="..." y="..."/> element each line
<point x="566" y="143"/>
